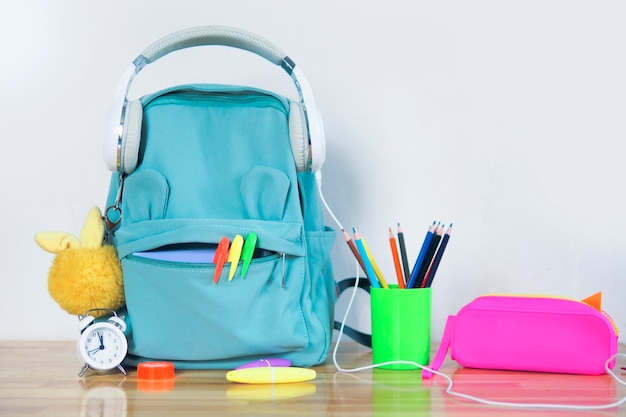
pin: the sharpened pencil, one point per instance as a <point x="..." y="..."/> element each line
<point x="421" y="257"/>
<point x="366" y="261"/>
<point x="377" y="271"/>
<point x="403" y="255"/>
<point x="433" y="268"/>
<point x="354" y="250"/>
<point x="396" y="260"/>
<point x="430" y="254"/>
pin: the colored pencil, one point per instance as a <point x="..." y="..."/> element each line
<point x="430" y="254"/>
<point x="396" y="260"/>
<point x="366" y="261"/>
<point x="433" y="268"/>
<point x="377" y="271"/>
<point x="421" y="257"/>
<point x="403" y="254"/>
<point x="354" y="250"/>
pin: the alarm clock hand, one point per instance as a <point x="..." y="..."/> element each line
<point x="92" y="351"/>
<point x="99" y="348"/>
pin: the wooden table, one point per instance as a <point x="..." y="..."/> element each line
<point x="40" y="379"/>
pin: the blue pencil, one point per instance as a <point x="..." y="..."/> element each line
<point x="430" y="254"/>
<point x="421" y="258"/>
<point x="438" y="256"/>
<point x="369" y="269"/>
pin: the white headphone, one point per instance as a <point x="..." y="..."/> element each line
<point x="123" y="134"/>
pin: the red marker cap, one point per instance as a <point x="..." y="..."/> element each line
<point x="155" y="376"/>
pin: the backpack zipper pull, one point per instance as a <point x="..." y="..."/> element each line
<point x="113" y="214"/>
<point x="283" y="279"/>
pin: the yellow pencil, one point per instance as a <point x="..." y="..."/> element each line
<point x="377" y="270"/>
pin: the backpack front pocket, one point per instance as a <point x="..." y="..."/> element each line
<point x="178" y="313"/>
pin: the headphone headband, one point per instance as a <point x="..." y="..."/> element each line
<point x="207" y="36"/>
<point x="213" y="35"/>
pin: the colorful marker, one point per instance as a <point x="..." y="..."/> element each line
<point x="264" y="363"/>
<point x="219" y="259"/>
<point x="271" y="375"/>
<point x="247" y="252"/>
<point x="234" y="254"/>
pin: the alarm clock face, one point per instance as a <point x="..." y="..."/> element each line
<point x="102" y="346"/>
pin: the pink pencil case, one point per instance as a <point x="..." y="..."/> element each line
<point x="530" y="333"/>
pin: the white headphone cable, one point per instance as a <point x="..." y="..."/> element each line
<point x="318" y="180"/>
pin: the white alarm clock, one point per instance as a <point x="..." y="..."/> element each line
<point x="102" y="345"/>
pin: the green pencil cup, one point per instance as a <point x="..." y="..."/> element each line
<point x="400" y="326"/>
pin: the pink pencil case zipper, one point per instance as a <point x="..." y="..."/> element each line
<point x="529" y="333"/>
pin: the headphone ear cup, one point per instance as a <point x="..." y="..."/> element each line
<point x="299" y="136"/>
<point x="318" y="141"/>
<point x="131" y="137"/>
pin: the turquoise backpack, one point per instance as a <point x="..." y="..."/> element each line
<point x="193" y="165"/>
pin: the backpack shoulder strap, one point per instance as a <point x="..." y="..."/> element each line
<point x="443" y="348"/>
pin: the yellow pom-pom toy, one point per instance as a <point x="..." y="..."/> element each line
<point x="85" y="274"/>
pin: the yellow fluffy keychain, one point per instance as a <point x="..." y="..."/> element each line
<point x="85" y="274"/>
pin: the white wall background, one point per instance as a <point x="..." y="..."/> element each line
<point x="506" y="118"/>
